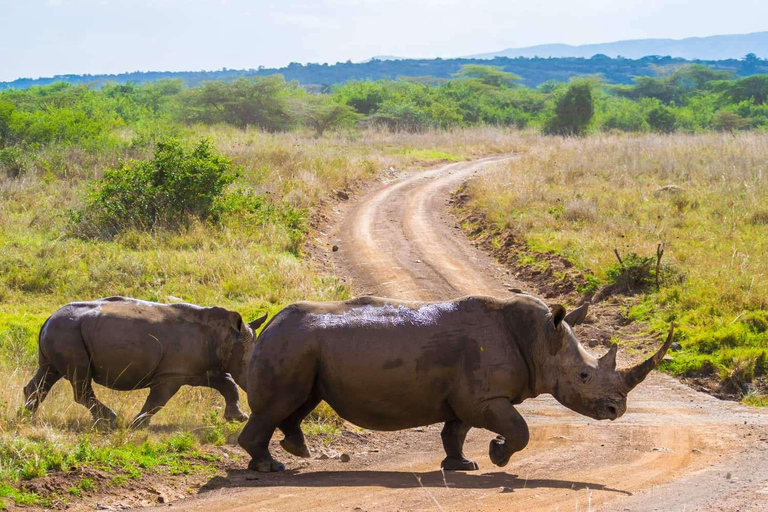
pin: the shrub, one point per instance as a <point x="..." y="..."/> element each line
<point x="165" y="191"/>
<point x="573" y="112"/>
<point x="13" y="162"/>
<point x="662" y="119"/>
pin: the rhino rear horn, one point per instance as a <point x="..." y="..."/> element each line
<point x="636" y="374"/>
<point x="577" y="316"/>
<point x="255" y="324"/>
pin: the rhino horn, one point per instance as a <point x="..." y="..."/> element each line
<point x="635" y="375"/>
<point x="608" y="361"/>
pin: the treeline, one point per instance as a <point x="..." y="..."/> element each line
<point x="534" y="71"/>
<point x="692" y="98"/>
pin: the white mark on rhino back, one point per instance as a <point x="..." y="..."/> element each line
<point x="386" y="315"/>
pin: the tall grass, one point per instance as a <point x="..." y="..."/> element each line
<point x="246" y="262"/>
<point x="584" y="198"/>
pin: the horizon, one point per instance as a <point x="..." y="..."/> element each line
<point x="77" y="37"/>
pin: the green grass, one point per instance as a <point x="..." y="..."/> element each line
<point x="431" y="155"/>
<point x="252" y="260"/>
<point x="583" y="198"/>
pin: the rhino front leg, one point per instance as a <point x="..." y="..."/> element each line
<point x="453" y="435"/>
<point x="226" y="385"/>
<point x="500" y="416"/>
<point x="159" y="395"/>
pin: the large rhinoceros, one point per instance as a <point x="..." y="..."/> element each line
<point x="127" y="344"/>
<point x="385" y="364"/>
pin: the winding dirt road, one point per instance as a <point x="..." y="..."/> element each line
<point x="675" y="449"/>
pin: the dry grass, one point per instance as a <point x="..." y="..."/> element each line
<point x="584" y="197"/>
<point x="241" y="263"/>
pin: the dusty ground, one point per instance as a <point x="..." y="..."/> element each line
<point x="675" y="449"/>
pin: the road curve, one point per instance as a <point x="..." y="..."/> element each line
<point x="675" y="449"/>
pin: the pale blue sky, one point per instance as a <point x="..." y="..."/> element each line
<point x="47" y="37"/>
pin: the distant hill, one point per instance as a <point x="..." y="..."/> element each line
<point x="534" y="71"/>
<point x="704" y="48"/>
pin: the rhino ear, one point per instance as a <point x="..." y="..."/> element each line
<point x="608" y="361"/>
<point x="557" y="340"/>
<point x="577" y="316"/>
<point x="236" y="321"/>
<point x="558" y="315"/>
<point x="257" y="323"/>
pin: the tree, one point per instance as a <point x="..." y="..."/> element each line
<point x="493" y="76"/>
<point x="259" y="102"/>
<point x="661" y="118"/>
<point x="725" y="121"/>
<point x="574" y="110"/>
<point x="321" y="113"/>
<point x="749" y="64"/>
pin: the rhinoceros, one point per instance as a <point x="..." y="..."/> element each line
<point x="386" y="364"/>
<point x="127" y="344"/>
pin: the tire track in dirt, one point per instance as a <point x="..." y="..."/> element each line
<point x="675" y="449"/>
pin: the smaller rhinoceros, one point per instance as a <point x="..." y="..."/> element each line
<point x="127" y="344"/>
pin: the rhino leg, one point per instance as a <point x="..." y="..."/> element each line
<point x="255" y="440"/>
<point x="226" y="385"/>
<point x="159" y="395"/>
<point x="291" y="426"/>
<point x="37" y="388"/>
<point x="500" y="416"/>
<point x="80" y="378"/>
<point x="453" y="435"/>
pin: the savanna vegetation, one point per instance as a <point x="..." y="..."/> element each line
<point x="701" y="196"/>
<point x="165" y="192"/>
<point x="320" y="76"/>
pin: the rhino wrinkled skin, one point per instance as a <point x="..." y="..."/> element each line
<point x="385" y="364"/>
<point x="127" y="344"/>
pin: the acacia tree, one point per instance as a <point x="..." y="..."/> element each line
<point x="493" y="76"/>
<point x="321" y="113"/>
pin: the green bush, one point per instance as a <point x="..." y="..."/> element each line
<point x="13" y="161"/>
<point x="573" y="111"/>
<point x="165" y="191"/>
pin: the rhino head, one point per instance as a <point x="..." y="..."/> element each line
<point x="585" y="384"/>
<point x="237" y="345"/>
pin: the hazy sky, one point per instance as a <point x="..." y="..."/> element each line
<point x="47" y="37"/>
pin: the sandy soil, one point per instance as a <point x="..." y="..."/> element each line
<point x="674" y="449"/>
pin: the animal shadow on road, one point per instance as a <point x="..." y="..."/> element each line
<point x="394" y="480"/>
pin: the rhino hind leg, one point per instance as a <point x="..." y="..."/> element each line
<point x="255" y="440"/>
<point x="453" y="435"/>
<point x="294" y="442"/>
<point x="39" y="386"/>
<point x="80" y="378"/>
<point x="500" y="416"/>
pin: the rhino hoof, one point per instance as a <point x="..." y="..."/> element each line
<point x="236" y="416"/>
<point x="298" y="449"/>
<point x="499" y="452"/>
<point x="451" y="464"/>
<point x="266" y="466"/>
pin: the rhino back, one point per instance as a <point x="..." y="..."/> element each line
<point x="131" y="343"/>
<point x="389" y="365"/>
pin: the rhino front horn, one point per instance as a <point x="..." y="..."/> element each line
<point x="635" y="375"/>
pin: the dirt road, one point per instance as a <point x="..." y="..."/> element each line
<point x="675" y="449"/>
